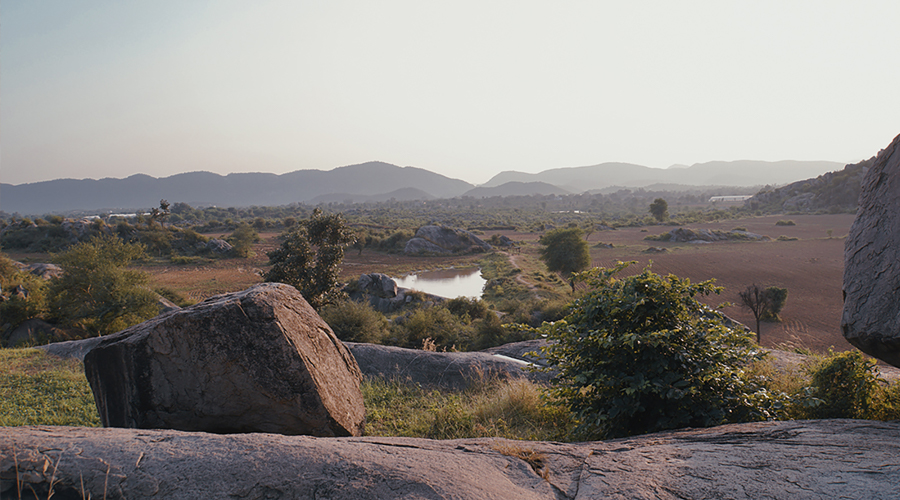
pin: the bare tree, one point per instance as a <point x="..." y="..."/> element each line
<point x="758" y="301"/>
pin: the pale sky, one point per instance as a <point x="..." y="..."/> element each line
<point x="92" y="89"/>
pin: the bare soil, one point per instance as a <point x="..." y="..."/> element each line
<point x="811" y="268"/>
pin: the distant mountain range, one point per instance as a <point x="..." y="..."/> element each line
<point x="715" y="173"/>
<point x="378" y="181"/>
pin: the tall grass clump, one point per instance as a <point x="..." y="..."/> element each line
<point x="512" y="409"/>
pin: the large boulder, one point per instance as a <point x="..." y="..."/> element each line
<point x="449" y="370"/>
<point x="378" y="284"/>
<point x="260" y="360"/>
<point x="805" y="459"/>
<point x="444" y="240"/>
<point x="871" y="317"/>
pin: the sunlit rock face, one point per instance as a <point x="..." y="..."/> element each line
<point x="871" y="318"/>
<point x="260" y="360"/>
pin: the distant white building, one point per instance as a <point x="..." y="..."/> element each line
<point x="730" y="198"/>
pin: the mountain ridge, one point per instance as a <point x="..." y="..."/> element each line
<point x="376" y="180"/>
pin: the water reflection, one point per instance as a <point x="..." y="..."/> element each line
<point x="446" y="283"/>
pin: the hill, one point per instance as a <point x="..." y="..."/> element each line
<point x="233" y="190"/>
<point x="515" y="188"/>
<point x="716" y="173"/>
<point x="832" y="191"/>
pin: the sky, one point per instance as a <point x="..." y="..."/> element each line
<point x="94" y="89"/>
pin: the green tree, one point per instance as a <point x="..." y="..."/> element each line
<point x="242" y="240"/>
<point x="659" y="209"/>
<point x="310" y="257"/>
<point x="96" y="291"/>
<point x="640" y="354"/>
<point x="564" y="251"/>
<point x="765" y="304"/>
<point x="777" y="298"/>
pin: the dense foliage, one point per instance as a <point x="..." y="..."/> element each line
<point x="565" y="251"/>
<point x="659" y="209"/>
<point x="96" y="292"/>
<point x="310" y="256"/>
<point x="640" y="354"/>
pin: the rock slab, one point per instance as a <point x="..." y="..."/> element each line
<point x="444" y="240"/>
<point x="260" y="360"/>
<point x="775" y="460"/>
<point x="871" y="316"/>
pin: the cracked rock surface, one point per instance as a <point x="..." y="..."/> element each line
<point x="260" y="360"/>
<point x="789" y="460"/>
<point x="871" y="317"/>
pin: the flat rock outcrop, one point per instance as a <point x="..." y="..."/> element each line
<point x="686" y="235"/>
<point x="779" y="460"/>
<point x="871" y="317"/>
<point x="451" y="370"/>
<point x="260" y="360"/>
<point x="444" y="240"/>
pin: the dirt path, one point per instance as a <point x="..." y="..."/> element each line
<point x="519" y="277"/>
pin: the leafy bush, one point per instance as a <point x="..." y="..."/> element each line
<point x="640" y="354"/>
<point x="242" y="240"/>
<point x="785" y="223"/>
<point x="15" y="309"/>
<point x="356" y="322"/>
<point x="96" y="292"/>
<point x="435" y="323"/>
<point x="844" y="385"/>
<point x="471" y="308"/>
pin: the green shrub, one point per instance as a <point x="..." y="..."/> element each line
<point x="96" y="291"/>
<point x="843" y="385"/>
<point x="470" y="308"/>
<point x="356" y="322"/>
<point x="242" y="240"/>
<point x="785" y="223"/>
<point x="640" y="354"/>
<point x="15" y="309"/>
<point x="436" y="323"/>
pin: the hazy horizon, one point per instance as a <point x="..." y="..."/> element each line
<point x="465" y="89"/>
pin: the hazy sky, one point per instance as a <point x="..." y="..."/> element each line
<point x="92" y="89"/>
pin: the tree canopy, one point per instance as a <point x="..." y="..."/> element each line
<point x="96" y="291"/>
<point x="564" y="251"/>
<point x="310" y="256"/>
<point x="659" y="209"/>
<point x="640" y="354"/>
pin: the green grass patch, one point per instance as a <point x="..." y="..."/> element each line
<point x="39" y="389"/>
<point x="514" y="409"/>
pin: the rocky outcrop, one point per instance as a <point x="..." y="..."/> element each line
<point x="45" y="271"/>
<point x="871" y="317"/>
<point x="444" y="240"/>
<point x="685" y="235"/>
<point x="450" y="370"/>
<point x="36" y="331"/>
<point x="832" y="191"/>
<point x="382" y="293"/>
<point x="218" y="246"/>
<point x="779" y="460"/>
<point x="377" y="284"/>
<point x="260" y="360"/>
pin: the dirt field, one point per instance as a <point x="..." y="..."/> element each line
<point x="811" y="268"/>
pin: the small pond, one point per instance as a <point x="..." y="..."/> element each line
<point x="449" y="283"/>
